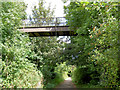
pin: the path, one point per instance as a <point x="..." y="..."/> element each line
<point x="66" y="84"/>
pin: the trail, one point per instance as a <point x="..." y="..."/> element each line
<point x="67" y="84"/>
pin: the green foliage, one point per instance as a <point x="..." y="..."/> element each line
<point x="25" y="60"/>
<point x="81" y="75"/>
<point x="60" y="74"/>
<point x="94" y="51"/>
<point x="47" y="49"/>
<point x="53" y="83"/>
<point x="96" y="45"/>
<point x="1" y="65"/>
<point x="42" y="14"/>
<point x="106" y="54"/>
<point x="42" y="11"/>
<point x="11" y="16"/>
<point x="62" y="69"/>
<point x="16" y="70"/>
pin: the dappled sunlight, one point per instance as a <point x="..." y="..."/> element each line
<point x="67" y="84"/>
<point x="69" y="79"/>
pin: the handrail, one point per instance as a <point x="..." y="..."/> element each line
<point x="51" y="21"/>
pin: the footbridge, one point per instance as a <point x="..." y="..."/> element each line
<point x="55" y="26"/>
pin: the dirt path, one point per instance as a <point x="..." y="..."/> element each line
<point x="66" y="84"/>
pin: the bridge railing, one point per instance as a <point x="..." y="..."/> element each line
<point x="42" y="22"/>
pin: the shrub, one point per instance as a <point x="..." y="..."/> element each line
<point x="81" y="76"/>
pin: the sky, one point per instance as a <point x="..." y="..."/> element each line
<point x="58" y="4"/>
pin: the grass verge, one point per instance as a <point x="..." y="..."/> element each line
<point x="54" y="82"/>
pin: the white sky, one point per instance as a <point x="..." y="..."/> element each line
<point x="58" y="4"/>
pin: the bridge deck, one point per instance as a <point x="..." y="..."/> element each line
<point x="45" y="29"/>
<point x="49" y="31"/>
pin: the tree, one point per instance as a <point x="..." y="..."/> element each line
<point x="16" y="70"/>
<point x="47" y="49"/>
<point x="42" y="14"/>
<point x="97" y="28"/>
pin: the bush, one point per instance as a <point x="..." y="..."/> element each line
<point x="52" y="83"/>
<point x="81" y="76"/>
<point x="55" y="76"/>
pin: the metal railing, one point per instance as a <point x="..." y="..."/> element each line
<point x="42" y="22"/>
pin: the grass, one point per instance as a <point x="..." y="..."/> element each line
<point x="87" y="86"/>
<point x="55" y="82"/>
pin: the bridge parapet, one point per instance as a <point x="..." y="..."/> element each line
<point x="44" y="22"/>
<point x="54" y="26"/>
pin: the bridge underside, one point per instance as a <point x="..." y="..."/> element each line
<point x="49" y="31"/>
<point x="64" y="33"/>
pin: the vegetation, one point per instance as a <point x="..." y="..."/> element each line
<point x="16" y="69"/>
<point x="96" y="56"/>
<point x="46" y="49"/>
<point x="92" y="56"/>
<point x="42" y="14"/>
<point x="26" y="61"/>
